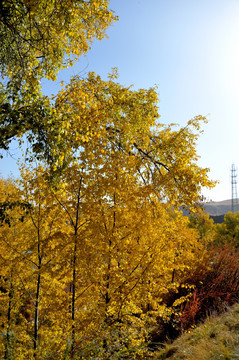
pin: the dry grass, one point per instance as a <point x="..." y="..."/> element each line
<point x="216" y="339"/>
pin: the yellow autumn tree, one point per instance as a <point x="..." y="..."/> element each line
<point x="100" y="117"/>
<point x="100" y="250"/>
<point x="36" y="289"/>
<point x="128" y="251"/>
<point x="127" y="179"/>
<point x="9" y="300"/>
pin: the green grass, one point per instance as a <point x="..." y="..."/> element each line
<point x="216" y="339"/>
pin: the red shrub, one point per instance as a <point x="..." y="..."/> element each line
<point x="215" y="289"/>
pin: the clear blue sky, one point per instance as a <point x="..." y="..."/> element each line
<point x="190" y="49"/>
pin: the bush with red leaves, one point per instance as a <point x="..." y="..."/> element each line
<point x="215" y="288"/>
<point x="212" y="287"/>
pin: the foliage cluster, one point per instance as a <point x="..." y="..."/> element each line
<point x="37" y="39"/>
<point x="211" y="285"/>
<point x="40" y="37"/>
<point x="216" y="286"/>
<point x="228" y="231"/>
<point x="88" y="269"/>
<point x="86" y="272"/>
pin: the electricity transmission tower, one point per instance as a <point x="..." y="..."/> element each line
<point x="234" y="187"/>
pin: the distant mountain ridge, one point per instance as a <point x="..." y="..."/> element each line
<point x="216" y="208"/>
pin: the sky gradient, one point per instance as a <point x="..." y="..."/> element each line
<point x="190" y="50"/>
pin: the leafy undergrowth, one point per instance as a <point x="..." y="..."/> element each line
<point x="216" y="339"/>
<point x="216" y="286"/>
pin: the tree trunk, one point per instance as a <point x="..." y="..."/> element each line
<point x="36" y="318"/>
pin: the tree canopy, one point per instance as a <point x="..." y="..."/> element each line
<point x="37" y="39"/>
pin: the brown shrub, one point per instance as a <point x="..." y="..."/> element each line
<point x="215" y="288"/>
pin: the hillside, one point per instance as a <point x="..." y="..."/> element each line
<point x="217" y="208"/>
<point x="217" y="338"/>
